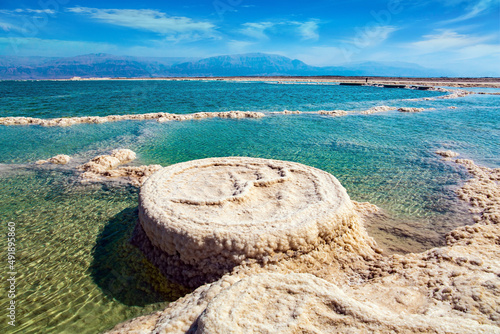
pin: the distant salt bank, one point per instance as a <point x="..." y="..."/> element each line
<point x="389" y="81"/>
<point x="209" y="216"/>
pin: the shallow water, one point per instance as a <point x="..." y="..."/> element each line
<point x="76" y="271"/>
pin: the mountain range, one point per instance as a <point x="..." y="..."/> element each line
<point x="251" y="64"/>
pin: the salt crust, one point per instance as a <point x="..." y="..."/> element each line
<point x="106" y="167"/>
<point x="212" y="215"/>
<point x="452" y="289"/>
<point x="160" y="117"/>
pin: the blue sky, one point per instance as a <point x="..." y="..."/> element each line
<point x="462" y="35"/>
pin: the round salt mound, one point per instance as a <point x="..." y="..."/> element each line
<point x="213" y="214"/>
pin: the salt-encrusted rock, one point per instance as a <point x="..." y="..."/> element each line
<point x="404" y="109"/>
<point x="447" y="154"/>
<point x="211" y="215"/>
<point x="333" y="112"/>
<point x="106" y="166"/>
<point x="287" y="112"/>
<point x="452" y="289"/>
<point x="60" y="159"/>
<point x="160" y="117"/>
<point x="377" y="110"/>
<point x="102" y="163"/>
<point x="303" y="303"/>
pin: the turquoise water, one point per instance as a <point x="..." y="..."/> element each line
<point x="76" y="271"/>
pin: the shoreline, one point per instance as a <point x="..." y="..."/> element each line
<point x="486" y="82"/>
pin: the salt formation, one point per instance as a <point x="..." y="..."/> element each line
<point x="287" y="112"/>
<point x="452" y="289"/>
<point x="407" y="109"/>
<point x="303" y="303"/>
<point x="377" y="109"/>
<point x="60" y="159"/>
<point x="106" y="166"/>
<point x="209" y="216"/>
<point x="160" y="117"/>
<point x="333" y="112"/>
<point x="447" y="154"/>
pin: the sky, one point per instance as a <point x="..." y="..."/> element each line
<point x="457" y="35"/>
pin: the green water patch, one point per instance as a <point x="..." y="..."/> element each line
<point x="76" y="271"/>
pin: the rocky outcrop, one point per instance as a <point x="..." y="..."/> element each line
<point x="377" y="110"/>
<point x="160" y="117"/>
<point x="452" y="289"/>
<point x="209" y="216"/>
<point x="106" y="167"/>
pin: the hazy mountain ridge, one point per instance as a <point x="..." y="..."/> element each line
<point x="252" y="64"/>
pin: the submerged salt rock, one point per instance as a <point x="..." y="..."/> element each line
<point x="60" y="159"/>
<point x="287" y="112"/>
<point x="447" y="154"/>
<point x="213" y="214"/>
<point x="107" y="166"/>
<point x="333" y="112"/>
<point x="102" y="163"/>
<point x="407" y="109"/>
<point x="303" y="303"/>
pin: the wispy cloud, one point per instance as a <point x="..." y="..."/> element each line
<point x="27" y="10"/>
<point x="174" y="27"/>
<point x="256" y="30"/>
<point x="446" y="40"/>
<point x="10" y="27"/>
<point x="474" y="9"/>
<point x="372" y="35"/>
<point x="309" y="30"/>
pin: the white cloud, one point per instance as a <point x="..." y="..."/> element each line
<point x="9" y="27"/>
<point x="475" y="8"/>
<point x="371" y="35"/>
<point x="256" y="30"/>
<point x="480" y="50"/>
<point x="27" y="10"/>
<point x="174" y="27"/>
<point x="309" y="30"/>
<point x="446" y="40"/>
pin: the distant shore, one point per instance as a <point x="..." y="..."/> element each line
<point x="445" y="81"/>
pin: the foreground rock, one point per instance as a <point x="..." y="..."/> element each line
<point x="208" y="216"/>
<point x="106" y="167"/>
<point x="160" y="117"/>
<point x="452" y="289"/>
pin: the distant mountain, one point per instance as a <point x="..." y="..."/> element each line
<point x="85" y="66"/>
<point x="244" y="65"/>
<point x="251" y="64"/>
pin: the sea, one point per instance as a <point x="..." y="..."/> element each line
<point x="75" y="269"/>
